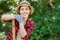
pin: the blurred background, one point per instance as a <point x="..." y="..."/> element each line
<point x="46" y="17"/>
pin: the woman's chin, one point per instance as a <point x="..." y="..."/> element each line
<point x="25" y="16"/>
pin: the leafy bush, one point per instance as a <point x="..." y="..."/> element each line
<point x="46" y="18"/>
<point x="2" y="36"/>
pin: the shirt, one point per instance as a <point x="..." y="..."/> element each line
<point x="29" y="27"/>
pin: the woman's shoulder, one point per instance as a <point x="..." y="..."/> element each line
<point x="30" y="22"/>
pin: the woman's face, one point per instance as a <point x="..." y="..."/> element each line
<point x="25" y="11"/>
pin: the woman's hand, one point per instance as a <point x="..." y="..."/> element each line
<point x="19" y="18"/>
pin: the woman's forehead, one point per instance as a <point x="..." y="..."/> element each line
<point x="24" y="6"/>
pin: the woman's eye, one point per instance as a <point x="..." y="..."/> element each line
<point x="26" y="8"/>
<point x="22" y="9"/>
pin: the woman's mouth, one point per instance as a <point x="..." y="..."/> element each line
<point x="25" y="14"/>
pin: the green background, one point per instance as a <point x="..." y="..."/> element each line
<point x="46" y="18"/>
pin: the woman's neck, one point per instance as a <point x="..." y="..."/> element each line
<point x="25" y="19"/>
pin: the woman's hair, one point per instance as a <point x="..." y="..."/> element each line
<point x="19" y="9"/>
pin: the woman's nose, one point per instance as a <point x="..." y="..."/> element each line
<point x="25" y="11"/>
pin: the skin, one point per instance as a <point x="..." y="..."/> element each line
<point x="24" y="11"/>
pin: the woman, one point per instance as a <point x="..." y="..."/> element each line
<point x="23" y="24"/>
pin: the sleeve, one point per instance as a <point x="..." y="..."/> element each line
<point x="30" y="28"/>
